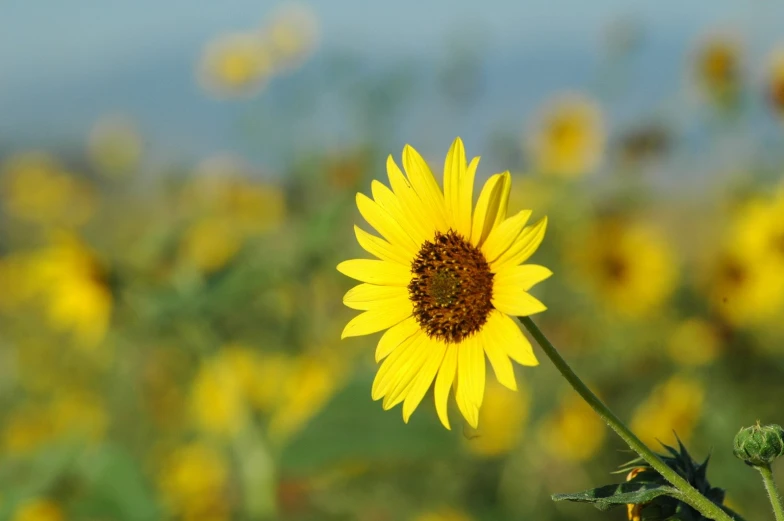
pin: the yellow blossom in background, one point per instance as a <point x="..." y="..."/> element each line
<point x="717" y="68"/>
<point x="38" y="510"/>
<point x="74" y="287"/>
<point x="291" y="35"/>
<point x="569" y="137"/>
<point x="629" y="265"/>
<point x="35" y="188"/>
<point x="194" y="483"/>
<point x="694" y="342"/>
<point x="16" y="286"/>
<point x="78" y="414"/>
<point x="674" y="405"/>
<point x="775" y="81"/>
<point x="115" y="146"/>
<point x="573" y="432"/>
<point x="311" y="382"/>
<point x="443" y="514"/>
<point x="209" y="244"/>
<point x="235" y="64"/>
<point x="218" y="404"/>
<point x="502" y="420"/>
<point x="26" y="429"/>
<point x="268" y="380"/>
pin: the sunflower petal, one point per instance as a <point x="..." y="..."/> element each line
<point x="424" y="183"/>
<point x="499" y="360"/>
<point x="459" y="187"/>
<point x="516" y="303"/>
<point x="486" y="212"/>
<point x="380" y="248"/>
<point x="389" y="372"/>
<point x="387" y="199"/>
<point x="502" y="237"/>
<point x="377" y="319"/>
<point x="519" y="278"/>
<point x="406" y="377"/>
<point x="370" y="296"/>
<point x="523" y="246"/>
<point x="395" y="336"/>
<point x="385" y="224"/>
<point x="425" y="378"/>
<point x="424" y="225"/>
<point x="509" y="336"/>
<point x="376" y="272"/>
<point x="446" y="375"/>
<point x="470" y="380"/>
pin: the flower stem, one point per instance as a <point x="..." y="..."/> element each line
<point x="688" y="494"/>
<point x="773" y="493"/>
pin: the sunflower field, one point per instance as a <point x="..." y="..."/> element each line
<point x="181" y="337"/>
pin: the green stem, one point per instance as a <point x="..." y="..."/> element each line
<point x="773" y="493"/>
<point x="688" y="494"/>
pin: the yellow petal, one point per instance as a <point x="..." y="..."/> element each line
<point x="459" y="186"/>
<point x="387" y="199"/>
<point x="470" y="380"/>
<point x="423" y="221"/>
<point x="406" y="376"/>
<point x="389" y="372"/>
<point x="522" y="247"/>
<point x="425" y="378"/>
<point x="503" y="235"/>
<point x="516" y="303"/>
<point x="492" y="343"/>
<point x="381" y="248"/>
<point x="509" y="336"/>
<point x="424" y="183"/>
<point x="376" y="272"/>
<point x="395" y="336"/>
<point x="486" y="212"/>
<point x="446" y="375"/>
<point x="519" y="278"/>
<point x="369" y="296"/>
<point x="377" y="319"/>
<point x="386" y="225"/>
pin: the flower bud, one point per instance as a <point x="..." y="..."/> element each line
<point x="759" y="445"/>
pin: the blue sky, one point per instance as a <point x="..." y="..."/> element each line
<point x="63" y="63"/>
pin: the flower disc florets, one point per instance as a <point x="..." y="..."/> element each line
<point x="452" y="287"/>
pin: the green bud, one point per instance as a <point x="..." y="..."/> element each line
<point x="759" y="445"/>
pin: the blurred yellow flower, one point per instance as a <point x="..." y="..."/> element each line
<point x="443" y="514"/>
<point x="235" y="64"/>
<point x="312" y="381"/>
<point x="39" y="509"/>
<point x="746" y="277"/>
<point x="674" y="405"/>
<point x="573" y="432"/>
<point x="194" y="483"/>
<point x="717" y="68"/>
<point x="502" y="420"/>
<point x="775" y="87"/>
<point x="210" y="243"/>
<point x="291" y="35"/>
<point x="26" y="429"/>
<point x="218" y="403"/>
<point x="694" y="342"/>
<point x="74" y="286"/>
<point x="629" y="265"/>
<point x="35" y="188"/>
<point x="268" y="380"/>
<point x="115" y="146"/>
<point x="569" y="138"/>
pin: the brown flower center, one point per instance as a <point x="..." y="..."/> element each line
<point x="451" y="288"/>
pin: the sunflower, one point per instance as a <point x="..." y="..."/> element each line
<point x="447" y="279"/>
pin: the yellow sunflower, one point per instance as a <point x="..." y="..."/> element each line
<point x="447" y="279"/>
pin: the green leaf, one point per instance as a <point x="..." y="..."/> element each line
<point x="610" y="496"/>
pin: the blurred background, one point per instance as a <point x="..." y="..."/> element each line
<point x="177" y="185"/>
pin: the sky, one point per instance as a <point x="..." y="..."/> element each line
<point x="63" y="63"/>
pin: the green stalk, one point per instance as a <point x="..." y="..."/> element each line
<point x="773" y="493"/>
<point x="688" y="494"/>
